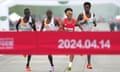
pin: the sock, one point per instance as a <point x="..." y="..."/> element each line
<point x="70" y="63"/>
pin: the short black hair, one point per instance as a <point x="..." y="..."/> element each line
<point x="87" y="3"/>
<point x="48" y="11"/>
<point x="68" y="9"/>
<point x="26" y="9"/>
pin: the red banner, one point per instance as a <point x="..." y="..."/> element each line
<point x="59" y="43"/>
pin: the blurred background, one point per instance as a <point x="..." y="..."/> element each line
<point x="107" y="12"/>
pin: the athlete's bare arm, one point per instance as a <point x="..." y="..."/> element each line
<point x="45" y="25"/>
<point x="42" y="27"/>
<point x="17" y="25"/>
<point x="79" y="25"/>
<point x="80" y="19"/>
<point x="33" y="24"/>
<point x="61" y="27"/>
<point x="94" y="21"/>
<point x="56" y="22"/>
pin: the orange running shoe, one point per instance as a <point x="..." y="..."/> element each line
<point x="28" y="68"/>
<point x="89" y="66"/>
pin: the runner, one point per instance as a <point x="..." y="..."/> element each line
<point x="50" y="24"/>
<point x="69" y="24"/>
<point x="87" y="20"/>
<point x="26" y="24"/>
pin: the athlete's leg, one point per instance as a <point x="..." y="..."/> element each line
<point x="50" y="60"/>
<point x="50" y="57"/>
<point x="28" y="62"/>
<point x="89" y="66"/>
<point x="71" y="58"/>
<point x="89" y="58"/>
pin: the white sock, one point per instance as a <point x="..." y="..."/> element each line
<point x="70" y="63"/>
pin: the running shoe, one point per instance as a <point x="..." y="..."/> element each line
<point x="89" y="66"/>
<point x="28" y="68"/>
<point x="51" y="69"/>
<point x="69" y="68"/>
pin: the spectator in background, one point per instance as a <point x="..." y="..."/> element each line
<point x="118" y="23"/>
<point x="112" y="23"/>
<point x="100" y="19"/>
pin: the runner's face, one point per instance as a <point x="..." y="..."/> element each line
<point x="49" y="14"/>
<point x="69" y="14"/>
<point x="87" y="8"/>
<point x="27" y="13"/>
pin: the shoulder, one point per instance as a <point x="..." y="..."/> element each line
<point x="32" y="18"/>
<point x="63" y="20"/>
<point x="21" y="19"/>
<point x="73" y="19"/>
<point x="55" y="19"/>
<point x="80" y="15"/>
<point x="18" y="22"/>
